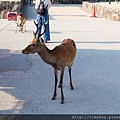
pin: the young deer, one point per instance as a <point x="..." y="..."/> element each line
<point x="21" y="22"/>
<point x="60" y="57"/>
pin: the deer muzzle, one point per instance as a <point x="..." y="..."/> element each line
<point x="23" y="52"/>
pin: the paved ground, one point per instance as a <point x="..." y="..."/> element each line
<point x="26" y="82"/>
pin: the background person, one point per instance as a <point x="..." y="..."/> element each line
<point x="41" y="19"/>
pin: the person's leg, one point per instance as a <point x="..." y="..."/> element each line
<point x="30" y="1"/>
<point x="37" y="19"/>
<point x="47" y="32"/>
<point x="40" y="23"/>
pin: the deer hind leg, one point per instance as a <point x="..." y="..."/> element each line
<point x="55" y="88"/>
<point x="61" y="83"/>
<point x="59" y="86"/>
<point x="71" y="85"/>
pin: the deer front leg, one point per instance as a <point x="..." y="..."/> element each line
<point x="55" y="88"/>
<point x="71" y="85"/>
<point x="61" y="83"/>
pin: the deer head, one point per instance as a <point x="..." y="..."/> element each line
<point x="37" y="44"/>
<point x="34" y="47"/>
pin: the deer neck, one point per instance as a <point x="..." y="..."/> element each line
<point x="46" y="55"/>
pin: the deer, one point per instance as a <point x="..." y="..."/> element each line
<point x="59" y="57"/>
<point x="21" y="22"/>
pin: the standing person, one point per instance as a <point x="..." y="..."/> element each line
<point x="41" y="19"/>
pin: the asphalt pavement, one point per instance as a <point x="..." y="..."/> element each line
<point x="26" y="82"/>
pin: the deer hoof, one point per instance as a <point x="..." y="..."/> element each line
<point x="62" y="102"/>
<point x="53" y="98"/>
<point x="59" y="86"/>
<point x="72" y="88"/>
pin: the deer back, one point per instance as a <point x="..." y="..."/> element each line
<point x="65" y="53"/>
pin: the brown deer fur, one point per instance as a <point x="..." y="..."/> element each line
<point x="60" y="57"/>
<point x="21" y="22"/>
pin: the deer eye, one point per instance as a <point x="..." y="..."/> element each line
<point x="34" y="45"/>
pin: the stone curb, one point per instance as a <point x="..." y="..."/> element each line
<point x="110" y="13"/>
